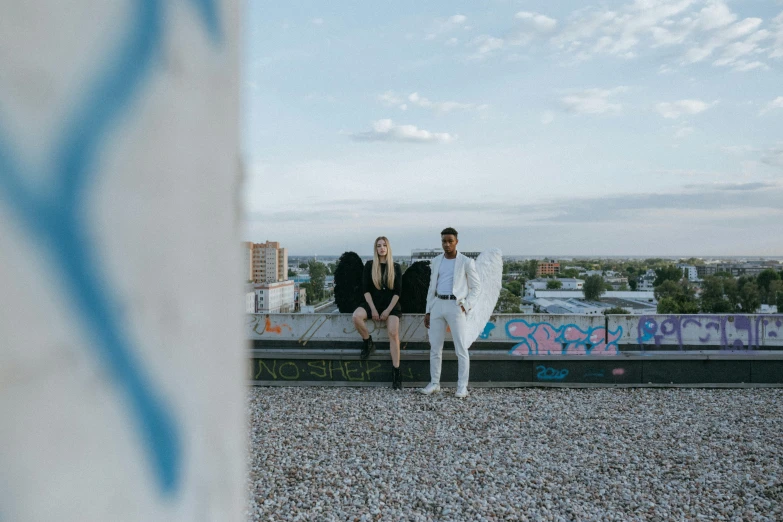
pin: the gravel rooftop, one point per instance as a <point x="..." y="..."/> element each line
<point x="515" y="454"/>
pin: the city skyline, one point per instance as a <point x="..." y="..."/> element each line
<point x="648" y="127"/>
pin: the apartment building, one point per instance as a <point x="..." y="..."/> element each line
<point x="551" y="267"/>
<point x="271" y="298"/>
<point x="266" y="262"/>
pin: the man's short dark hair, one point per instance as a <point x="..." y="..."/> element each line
<point x="449" y="230"/>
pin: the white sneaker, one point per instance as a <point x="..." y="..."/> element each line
<point x="430" y="389"/>
<point x="462" y="392"/>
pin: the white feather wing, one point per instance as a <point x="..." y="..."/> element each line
<point x="489" y="266"/>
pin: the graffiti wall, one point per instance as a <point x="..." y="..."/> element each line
<point x="726" y="332"/>
<point x="544" y="338"/>
<point x="122" y="350"/>
<point x="549" y="335"/>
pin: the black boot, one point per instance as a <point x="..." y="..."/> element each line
<point x="397" y="379"/>
<point x="368" y="348"/>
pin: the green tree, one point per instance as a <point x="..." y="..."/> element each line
<point x="317" y="271"/>
<point x="714" y="295"/>
<point x="633" y="283"/>
<point x="571" y="272"/>
<point x="513" y="267"/>
<point x="764" y="280"/>
<point x="667" y="273"/>
<point x="775" y="290"/>
<point x="291" y="273"/>
<point x="750" y="298"/>
<point x="593" y="287"/>
<point x="676" y="298"/>
<point x="515" y="287"/>
<point x="616" y="310"/>
<point x="554" y="284"/>
<point x="507" y="303"/>
<point x="531" y="266"/>
<point x="779" y="301"/>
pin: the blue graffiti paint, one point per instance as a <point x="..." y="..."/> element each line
<point x="58" y="221"/>
<point x="592" y="372"/>
<point x="569" y="339"/>
<point x="551" y="374"/>
<point x="487" y="330"/>
<point x="709" y="330"/>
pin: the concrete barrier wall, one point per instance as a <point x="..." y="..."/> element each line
<point x="550" y="334"/>
<point x="725" y="332"/>
<point x="121" y="363"/>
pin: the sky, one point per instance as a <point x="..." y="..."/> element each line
<point x="652" y="127"/>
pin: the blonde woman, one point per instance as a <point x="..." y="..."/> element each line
<point x="381" y="285"/>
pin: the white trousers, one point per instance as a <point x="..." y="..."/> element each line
<point x="448" y="312"/>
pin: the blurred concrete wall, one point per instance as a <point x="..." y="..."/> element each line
<point x="121" y="332"/>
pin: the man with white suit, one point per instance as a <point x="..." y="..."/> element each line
<point x="454" y="288"/>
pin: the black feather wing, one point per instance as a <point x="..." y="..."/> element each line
<point x="415" y="283"/>
<point x="348" y="282"/>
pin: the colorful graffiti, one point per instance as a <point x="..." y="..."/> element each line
<point x="56" y="219"/>
<point x="569" y="339"/>
<point x="547" y="373"/>
<point x="487" y="330"/>
<point x="728" y="332"/>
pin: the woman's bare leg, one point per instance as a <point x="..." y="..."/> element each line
<point x="393" y="329"/>
<point x="359" y="317"/>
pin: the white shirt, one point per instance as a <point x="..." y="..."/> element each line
<point x="446" y="276"/>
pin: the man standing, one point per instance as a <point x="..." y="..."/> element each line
<point x="454" y="288"/>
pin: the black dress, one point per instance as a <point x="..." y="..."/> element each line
<point x="382" y="298"/>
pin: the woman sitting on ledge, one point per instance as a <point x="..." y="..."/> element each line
<point x="381" y="287"/>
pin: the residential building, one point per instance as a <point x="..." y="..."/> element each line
<point x="689" y="271"/>
<point x="267" y="262"/>
<point x="300" y="298"/>
<point x="703" y="271"/>
<point x="569" y="283"/>
<point x="271" y="298"/>
<point x="430" y="253"/>
<point x="551" y="267"/>
<point x="646" y="281"/>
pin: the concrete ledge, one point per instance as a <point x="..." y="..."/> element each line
<point x="416" y="385"/>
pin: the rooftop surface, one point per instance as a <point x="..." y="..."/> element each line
<point x="515" y="454"/>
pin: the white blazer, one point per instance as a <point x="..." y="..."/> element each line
<point x="467" y="285"/>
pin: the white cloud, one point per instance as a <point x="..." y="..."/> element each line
<point x="485" y="45"/>
<point x="317" y="21"/>
<point x="674" y="110"/>
<point x="444" y="25"/>
<point x="777" y="103"/>
<point x="547" y="117"/>
<point x="391" y="99"/>
<point x="593" y="101"/>
<point x="386" y="130"/>
<point x="725" y="36"/>
<point x="537" y="21"/>
<point x="716" y="14"/>
<point x="617" y="32"/>
<point x="451" y="42"/>
<point x="446" y="106"/>
<point x="531" y="26"/>
<point x="683" y="132"/>
<point x="777" y="29"/>
<point x="711" y="30"/>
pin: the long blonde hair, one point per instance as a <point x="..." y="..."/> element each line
<point x="376" y="265"/>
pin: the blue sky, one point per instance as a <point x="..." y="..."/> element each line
<point x="640" y="128"/>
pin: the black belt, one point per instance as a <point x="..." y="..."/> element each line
<point x="449" y="297"/>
